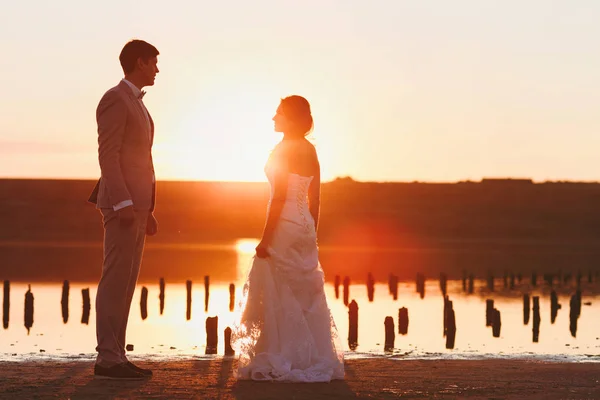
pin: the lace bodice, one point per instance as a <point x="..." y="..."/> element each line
<point x="296" y="200"/>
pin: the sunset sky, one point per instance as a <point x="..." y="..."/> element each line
<point x="401" y="90"/>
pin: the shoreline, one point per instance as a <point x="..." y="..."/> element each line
<point x="365" y="378"/>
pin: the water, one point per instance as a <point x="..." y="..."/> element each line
<point x="171" y="335"/>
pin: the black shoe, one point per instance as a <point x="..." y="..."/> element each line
<point x="143" y="371"/>
<point x="119" y="372"/>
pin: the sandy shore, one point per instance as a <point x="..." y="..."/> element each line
<point x="365" y="378"/>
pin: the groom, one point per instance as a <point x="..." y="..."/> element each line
<point x="125" y="196"/>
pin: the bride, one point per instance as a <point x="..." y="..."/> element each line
<point x="286" y="331"/>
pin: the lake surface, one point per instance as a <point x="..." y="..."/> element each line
<point x="172" y="335"/>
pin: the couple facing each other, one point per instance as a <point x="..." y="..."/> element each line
<point x="286" y="331"/>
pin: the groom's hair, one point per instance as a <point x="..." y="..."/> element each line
<point x="132" y="51"/>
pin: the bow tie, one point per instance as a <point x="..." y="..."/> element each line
<point x="141" y="95"/>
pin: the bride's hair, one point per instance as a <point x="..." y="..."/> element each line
<point x="297" y="110"/>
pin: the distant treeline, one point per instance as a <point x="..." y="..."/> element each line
<point x="493" y="224"/>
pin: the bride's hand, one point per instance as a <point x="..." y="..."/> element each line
<point x="261" y="250"/>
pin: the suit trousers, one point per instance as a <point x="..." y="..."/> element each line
<point x="123" y="250"/>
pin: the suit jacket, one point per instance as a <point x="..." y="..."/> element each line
<point x="124" y="151"/>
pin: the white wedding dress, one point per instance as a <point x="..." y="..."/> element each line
<point x="286" y="331"/>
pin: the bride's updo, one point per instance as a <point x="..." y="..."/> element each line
<point x="297" y="111"/>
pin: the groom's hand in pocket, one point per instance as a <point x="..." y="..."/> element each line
<point x="151" y="225"/>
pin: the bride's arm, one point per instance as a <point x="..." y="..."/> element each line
<point x="280" y="186"/>
<point x="314" y="194"/>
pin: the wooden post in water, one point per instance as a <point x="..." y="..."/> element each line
<point x="390" y="334"/>
<point x="443" y="283"/>
<point x="188" y="289"/>
<point x="212" y="326"/>
<point x="370" y="287"/>
<point x="536" y="319"/>
<point x="471" y="283"/>
<point x="6" y="305"/>
<point x="445" y="314"/>
<point x="228" y="349"/>
<point x="353" y="325"/>
<point x="87" y="305"/>
<point x="505" y="279"/>
<point x="464" y="280"/>
<point x="450" y="326"/>
<point x="526" y="308"/>
<point x="496" y="322"/>
<point x="534" y="279"/>
<point x="489" y="310"/>
<point x="346" y="290"/>
<point x="336" y="285"/>
<point x="144" y="303"/>
<point x="512" y="281"/>
<point x="161" y="295"/>
<point x="206" y="292"/>
<point x="519" y="277"/>
<point x="554" y="306"/>
<point x="231" y="296"/>
<point x="28" y="309"/>
<point x="578" y="279"/>
<point x="574" y="312"/>
<point x="64" y="301"/>
<point x="590" y="276"/>
<point x="403" y="321"/>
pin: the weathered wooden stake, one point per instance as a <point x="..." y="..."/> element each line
<point x="6" y="305"/>
<point x="489" y="309"/>
<point x="403" y="321"/>
<point x="554" y="306"/>
<point x="536" y="319"/>
<point x="212" y="326"/>
<point x="496" y="323"/>
<point x="231" y="296"/>
<point x="336" y="285"/>
<point x="144" y="303"/>
<point x="353" y="325"/>
<point x="86" y="307"/>
<point x="161" y="295"/>
<point x="574" y="313"/>
<point x="206" y="292"/>
<point x="534" y="279"/>
<point x="451" y="327"/>
<point x="64" y="302"/>
<point x="28" y="309"/>
<point x="390" y="334"/>
<point x="188" y="310"/>
<point x="526" y="308"/>
<point x="228" y="349"/>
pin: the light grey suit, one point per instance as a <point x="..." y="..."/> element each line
<point x="125" y="139"/>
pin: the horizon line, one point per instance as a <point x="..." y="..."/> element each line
<point x="483" y="180"/>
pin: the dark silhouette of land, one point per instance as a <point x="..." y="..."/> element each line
<point x="48" y="231"/>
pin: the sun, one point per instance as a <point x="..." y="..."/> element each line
<point x="227" y="139"/>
